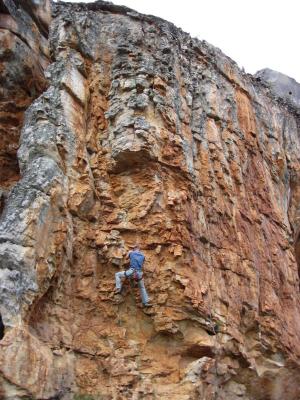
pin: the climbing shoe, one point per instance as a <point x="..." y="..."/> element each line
<point x="118" y="291"/>
<point x="147" y="305"/>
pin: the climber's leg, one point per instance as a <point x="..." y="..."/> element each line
<point x="119" y="276"/>
<point x="143" y="290"/>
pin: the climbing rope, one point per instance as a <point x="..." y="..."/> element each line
<point x="211" y="268"/>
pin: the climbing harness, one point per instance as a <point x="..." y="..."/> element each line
<point x="136" y="276"/>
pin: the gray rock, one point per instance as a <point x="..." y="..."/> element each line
<point x="282" y="85"/>
<point x="138" y="101"/>
<point x="141" y="123"/>
<point x="28" y="201"/>
<point x="16" y="279"/>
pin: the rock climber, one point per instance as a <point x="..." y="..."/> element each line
<point x="136" y="259"/>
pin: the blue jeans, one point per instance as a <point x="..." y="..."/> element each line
<point x="129" y="273"/>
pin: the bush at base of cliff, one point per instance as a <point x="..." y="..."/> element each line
<point x="88" y="397"/>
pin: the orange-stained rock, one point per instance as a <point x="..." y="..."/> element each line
<point x="147" y="136"/>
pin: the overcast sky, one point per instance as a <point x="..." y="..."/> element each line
<point x="255" y="33"/>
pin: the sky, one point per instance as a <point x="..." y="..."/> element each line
<point x="255" y="33"/>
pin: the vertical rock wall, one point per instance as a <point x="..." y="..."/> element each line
<point x="23" y="58"/>
<point x="145" y="134"/>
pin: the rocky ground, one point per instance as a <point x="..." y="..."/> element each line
<point x="136" y="132"/>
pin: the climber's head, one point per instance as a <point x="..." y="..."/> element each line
<point x="136" y="246"/>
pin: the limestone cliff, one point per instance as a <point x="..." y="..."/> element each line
<point x="23" y="58"/>
<point x="140" y="133"/>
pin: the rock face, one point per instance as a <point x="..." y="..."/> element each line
<point x="24" y="56"/>
<point x="282" y="85"/>
<point x="144" y="134"/>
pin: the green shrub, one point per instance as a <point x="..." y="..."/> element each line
<point x="87" y="397"/>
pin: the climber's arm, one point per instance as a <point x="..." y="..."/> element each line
<point x="127" y="260"/>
